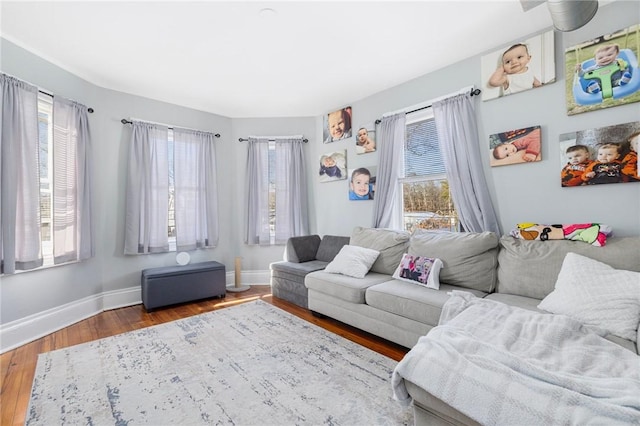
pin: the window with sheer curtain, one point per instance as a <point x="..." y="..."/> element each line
<point x="276" y="206"/>
<point x="45" y="179"/>
<point x="172" y="194"/>
<point x="426" y="199"/>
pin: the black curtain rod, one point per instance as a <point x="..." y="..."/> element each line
<point x="125" y="121"/>
<point x="305" y="140"/>
<point x="89" y="110"/>
<point x="474" y="92"/>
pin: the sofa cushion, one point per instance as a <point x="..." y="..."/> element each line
<point x="343" y="287"/>
<point x="390" y="243"/>
<point x="297" y="269"/>
<point x="353" y="261"/>
<point x="530" y="268"/>
<point x="412" y="301"/>
<point x="597" y="295"/>
<point x="301" y="249"/>
<point x="469" y="259"/>
<point x="330" y="246"/>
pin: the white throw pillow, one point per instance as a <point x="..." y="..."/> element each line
<point x="597" y="295"/>
<point x="353" y="261"/>
<point x="419" y="270"/>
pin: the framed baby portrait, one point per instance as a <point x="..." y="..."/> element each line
<point x="515" y="146"/>
<point x="603" y="72"/>
<point x="333" y="166"/>
<point x="362" y="183"/>
<point x="366" y="139"/>
<point x="337" y="125"/>
<point x="603" y="155"/>
<point x="519" y="66"/>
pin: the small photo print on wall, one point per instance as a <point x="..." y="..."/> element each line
<point x="520" y="66"/>
<point x="337" y="125"/>
<point x="362" y="183"/>
<point x="602" y="72"/>
<point x="333" y="166"/>
<point x="366" y="139"/>
<point x="603" y="155"/>
<point x="515" y="146"/>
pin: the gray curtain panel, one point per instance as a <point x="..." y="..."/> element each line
<point x="147" y="190"/>
<point x="73" y="233"/>
<point x="455" y="119"/>
<point x="19" y="183"/>
<point x="386" y="208"/>
<point x="257" y="205"/>
<point x="196" y="189"/>
<point x="292" y="217"/>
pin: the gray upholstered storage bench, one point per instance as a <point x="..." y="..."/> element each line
<point x="302" y="255"/>
<point x="177" y="284"/>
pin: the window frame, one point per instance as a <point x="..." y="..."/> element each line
<point x="424" y="114"/>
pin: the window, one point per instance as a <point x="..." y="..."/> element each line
<point x="426" y="198"/>
<point x="272" y="192"/>
<point x="45" y="159"/>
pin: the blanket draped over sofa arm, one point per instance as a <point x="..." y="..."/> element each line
<point x="500" y="364"/>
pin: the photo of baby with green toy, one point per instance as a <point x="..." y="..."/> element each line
<point x="598" y="156"/>
<point x="603" y="72"/>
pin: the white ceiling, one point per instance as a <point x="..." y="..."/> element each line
<point x="227" y="58"/>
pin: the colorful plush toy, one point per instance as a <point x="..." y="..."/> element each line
<point x="592" y="233"/>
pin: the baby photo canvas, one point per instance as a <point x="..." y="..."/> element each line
<point x="602" y="155"/>
<point x="519" y="66"/>
<point x="515" y="146"/>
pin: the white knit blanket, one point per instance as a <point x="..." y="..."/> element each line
<point x="502" y="365"/>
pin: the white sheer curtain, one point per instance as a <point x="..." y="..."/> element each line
<point x="196" y="193"/>
<point x="289" y="175"/>
<point x="72" y="204"/>
<point x="20" y="244"/>
<point x="257" y="206"/>
<point x="455" y="119"/>
<point x="387" y="212"/>
<point x="146" y="223"/>
<point x="291" y="190"/>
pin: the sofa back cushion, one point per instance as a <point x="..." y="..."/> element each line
<point x="390" y="243"/>
<point x="301" y="249"/>
<point x="531" y="268"/>
<point x="469" y="259"/>
<point x="330" y="246"/>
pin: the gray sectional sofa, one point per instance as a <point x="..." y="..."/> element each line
<point x="514" y="271"/>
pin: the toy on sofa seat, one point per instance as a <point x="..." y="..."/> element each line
<point x="594" y="82"/>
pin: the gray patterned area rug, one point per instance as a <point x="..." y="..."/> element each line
<point x="252" y="364"/>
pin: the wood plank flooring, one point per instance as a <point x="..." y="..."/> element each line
<point x="17" y="367"/>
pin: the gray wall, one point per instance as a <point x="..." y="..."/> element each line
<point x="520" y="192"/>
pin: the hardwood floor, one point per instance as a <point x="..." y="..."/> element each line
<point x="17" y="367"/>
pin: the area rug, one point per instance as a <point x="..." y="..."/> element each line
<point x="252" y="364"/>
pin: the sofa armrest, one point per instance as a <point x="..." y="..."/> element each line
<point x="301" y="249"/>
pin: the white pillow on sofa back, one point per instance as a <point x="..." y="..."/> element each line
<point x="597" y="295"/>
<point x="353" y="261"/>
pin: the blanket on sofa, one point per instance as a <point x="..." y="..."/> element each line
<point x="503" y="365"/>
<point x="593" y="233"/>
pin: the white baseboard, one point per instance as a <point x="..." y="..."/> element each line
<point x="24" y="330"/>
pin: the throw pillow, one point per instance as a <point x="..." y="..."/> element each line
<point x="419" y="270"/>
<point x="353" y="261"/>
<point x="597" y="295"/>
